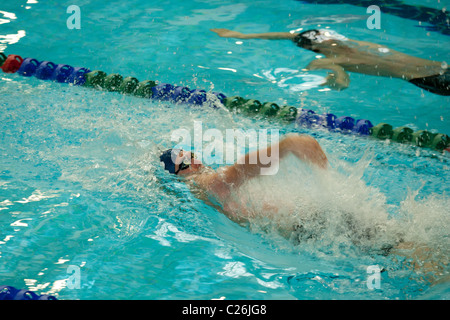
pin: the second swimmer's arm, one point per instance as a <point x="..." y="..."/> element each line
<point x="338" y="79"/>
<point x="225" y="33"/>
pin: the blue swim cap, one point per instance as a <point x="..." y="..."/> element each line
<point x="166" y="158"/>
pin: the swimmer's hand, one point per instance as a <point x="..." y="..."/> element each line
<point x="338" y="79"/>
<point x="225" y="33"/>
<point x="337" y="82"/>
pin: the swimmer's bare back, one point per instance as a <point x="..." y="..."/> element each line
<point x="375" y="59"/>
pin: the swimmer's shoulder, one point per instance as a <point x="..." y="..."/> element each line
<point x="213" y="182"/>
<point x="206" y="177"/>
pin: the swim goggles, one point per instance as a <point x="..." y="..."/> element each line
<point x="186" y="163"/>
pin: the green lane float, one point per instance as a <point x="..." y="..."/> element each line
<point x="95" y="79"/>
<point x="144" y="89"/>
<point x="128" y="85"/>
<point x="252" y="106"/>
<point x="269" y="109"/>
<point x="287" y="113"/>
<point x="234" y="103"/>
<point x="112" y="82"/>
<point x="2" y="58"/>
<point x="402" y="134"/>
<point x="422" y="138"/>
<point x="382" y="131"/>
<point x="440" y="142"/>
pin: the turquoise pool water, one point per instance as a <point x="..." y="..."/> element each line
<point x="81" y="186"/>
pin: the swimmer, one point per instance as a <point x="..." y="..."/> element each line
<point x="222" y="183"/>
<point x="224" y="188"/>
<point x="343" y="54"/>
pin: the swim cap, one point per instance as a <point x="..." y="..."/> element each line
<point x="307" y="38"/>
<point x="168" y="158"/>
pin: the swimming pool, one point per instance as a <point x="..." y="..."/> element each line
<point x="82" y="189"/>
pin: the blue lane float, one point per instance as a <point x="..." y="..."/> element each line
<point x="310" y="119"/>
<point x="11" y="293"/>
<point x="45" y="70"/>
<point x="62" y="73"/>
<point x="77" y="77"/>
<point x="28" y="67"/>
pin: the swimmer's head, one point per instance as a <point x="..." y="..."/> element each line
<point x="168" y="158"/>
<point x="311" y="39"/>
<point x="307" y="38"/>
<point x="177" y="161"/>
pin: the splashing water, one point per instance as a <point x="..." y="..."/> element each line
<point x="336" y="214"/>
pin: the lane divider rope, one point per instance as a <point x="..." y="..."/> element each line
<point x="97" y="79"/>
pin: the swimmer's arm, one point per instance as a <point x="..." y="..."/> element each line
<point x="338" y="79"/>
<point x="303" y="147"/>
<point x="225" y="33"/>
<point x="250" y="166"/>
